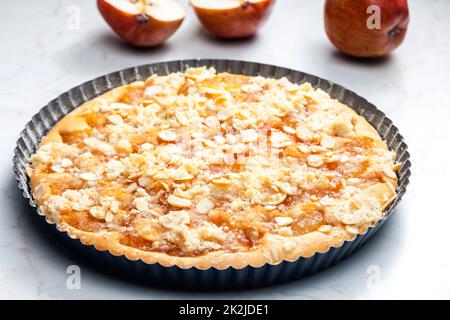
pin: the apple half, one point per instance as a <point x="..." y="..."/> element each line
<point x="142" y="23"/>
<point x="233" y="18"/>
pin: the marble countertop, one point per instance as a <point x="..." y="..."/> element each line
<point x="47" y="50"/>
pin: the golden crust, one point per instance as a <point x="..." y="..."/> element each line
<point x="272" y="248"/>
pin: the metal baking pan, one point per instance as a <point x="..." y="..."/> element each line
<point x="210" y="279"/>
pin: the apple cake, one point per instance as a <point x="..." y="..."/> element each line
<point x="205" y="169"/>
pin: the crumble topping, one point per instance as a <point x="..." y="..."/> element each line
<point x="196" y="162"/>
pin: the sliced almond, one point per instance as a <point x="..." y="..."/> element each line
<point x="231" y="138"/>
<point x="174" y="219"/>
<point x="276" y="199"/>
<point x="289" y="130"/>
<point x="221" y="182"/>
<point x="324" y="228"/>
<point x="178" y="202"/>
<point x="249" y="135"/>
<point x="204" y="206"/>
<point x="144" y="181"/>
<point x="109" y="217"/>
<point x="65" y="163"/>
<point x="314" y="160"/>
<point x="327" y="142"/>
<point x="212" y="122"/>
<point x="219" y="139"/>
<point x="224" y="114"/>
<point x="352" y="230"/>
<point x="153" y="91"/>
<point x="304" y="133"/>
<point x="115" y="119"/>
<point x="142" y="204"/>
<point x="284" y="231"/>
<point x="167" y="135"/>
<point x="286" y="187"/>
<point x="101" y="146"/>
<point x="283" y="221"/>
<point x="181" y="175"/>
<point x="250" y="88"/>
<point x="387" y="171"/>
<point x="89" y="176"/>
<point x="342" y="127"/>
<point x="280" y="139"/>
<point x="97" y="212"/>
<point x="181" y="117"/>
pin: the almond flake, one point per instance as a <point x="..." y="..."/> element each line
<point x="212" y="122"/>
<point x="250" y="88"/>
<point x="174" y="219"/>
<point x="167" y="135"/>
<point x="178" y="202"/>
<point x="219" y="139"/>
<point x="249" y="135"/>
<point x="222" y="182"/>
<point x="109" y="217"/>
<point x="153" y="91"/>
<point x="327" y="142"/>
<point x="97" y="212"/>
<point x="101" y="146"/>
<point x="204" y="206"/>
<point x="289" y="130"/>
<point x="224" y="114"/>
<point x="286" y="187"/>
<point x="389" y="172"/>
<point x="352" y="230"/>
<point x="342" y="127"/>
<point x="181" y="117"/>
<point x="314" y="160"/>
<point x="276" y="199"/>
<point x="304" y="133"/>
<point x="65" y="163"/>
<point x="89" y="176"/>
<point x="283" y="221"/>
<point x="280" y="139"/>
<point x="324" y="228"/>
<point x="115" y="119"/>
<point x="231" y="139"/>
<point x="144" y="181"/>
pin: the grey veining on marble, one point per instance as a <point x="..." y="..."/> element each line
<point x="42" y="55"/>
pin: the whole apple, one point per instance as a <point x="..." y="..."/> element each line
<point x="366" y="28"/>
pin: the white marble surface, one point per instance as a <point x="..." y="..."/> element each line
<point x="41" y="57"/>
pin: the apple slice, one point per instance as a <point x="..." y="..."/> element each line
<point x="233" y="18"/>
<point x="142" y="23"/>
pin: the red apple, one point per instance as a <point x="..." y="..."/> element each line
<point x="142" y="22"/>
<point x="233" y="18"/>
<point x="352" y="25"/>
